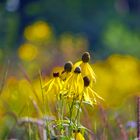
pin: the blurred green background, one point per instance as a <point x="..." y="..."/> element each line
<point x="110" y="26"/>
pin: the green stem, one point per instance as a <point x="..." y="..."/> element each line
<point x="71" y="110"/>
<point x="62" y="109"/>
<point x="61" y="113"/>
<point x="44" y="104"/>
<point x="70" y="117"/>
<point x="77" y="118"/>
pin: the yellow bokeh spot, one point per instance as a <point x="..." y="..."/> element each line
<point x="27" y="52"/>
<point x="117" y="79"/>
<point x="39" y="31"/>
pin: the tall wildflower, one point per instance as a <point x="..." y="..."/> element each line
<point x="54" y="86"/>
<point x="85" y="67"/>
<point x="89" y="95"/>
<point x="74" y="84"/>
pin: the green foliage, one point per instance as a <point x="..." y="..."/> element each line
<point x="119" y="38"/>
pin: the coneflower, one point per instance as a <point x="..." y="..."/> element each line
<point x="67" y="70"/>
<point x="85" y="67"/>
<point x="54" y="86"/>
<point x="89" y="95"/>
<point x="74" y="84"/>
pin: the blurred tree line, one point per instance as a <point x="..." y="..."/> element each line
<point x="111" y="26"/>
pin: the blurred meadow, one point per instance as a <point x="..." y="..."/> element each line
<point x="37" y="38"/>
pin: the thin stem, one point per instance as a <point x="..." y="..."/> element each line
<point x="62" y="108"/>
<point x="71" y="110"/>
<point x="44" y="105"/>
<point x="29" y="125"/>
<point x="78" y="111"/>
<point x="42" y="93"/>
<point x="4" y="78"/>
<point x="61" y="113"/>
<point x="122" y="129"/>
<point x="70" y="116"/>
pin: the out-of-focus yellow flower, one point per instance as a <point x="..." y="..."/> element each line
<point x="67" y="70"/>
<point x="54" y="86"/>
<point x="39" y="31"/>
<point x="74" y="85"/>
<point x="78" y="136"/>
<point x="118" y="78"/>
<point x="86" y="69"/>
<point x="16" y="95"/>
<point x="89" y="95"/>
<point x="27" y="52"/>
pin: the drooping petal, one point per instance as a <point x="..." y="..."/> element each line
<point x="80" y="84"/>
<point x="88" y="71"/>
<point x="74" y="84"/>
<point x="53" y="86"/>
<point x="77" y="64"/>
<point x="88" y="98"/>
<point x="48" y="83"/>
<point x="94" y="96"/>
<point x="48" y="86"/>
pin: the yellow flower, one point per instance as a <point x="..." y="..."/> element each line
<point x="27" y="52"/>
<point x="39" y="31"/>
<point x="85" y="67"/>
<point x="89" y="95"/>
<point x="74" y="85"/>
<point x="67" y="70"/>
<point x="54" y="86"/>
<point x="78" y="135"/>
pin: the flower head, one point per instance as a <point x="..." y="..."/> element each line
<point x="89" y="95"/>
<point x="67" y="70"/>
<point x="74" y="84"/>
<point x="54" y="86"/>
<point x="85" y="67"/>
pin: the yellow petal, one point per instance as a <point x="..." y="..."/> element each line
<point x="77" y="64"/>
<point x="88" y="97"/>
<point x="49" y="85"/>
<point x="88" y="71"/>
<point x="79" y="136"/>
<point x="80" y="84"/>
<point x="94" y="95"/>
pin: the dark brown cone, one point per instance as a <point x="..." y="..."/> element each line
<point x="77" y="70"/>
<point x="86" y="81"/>
<point x="68" y="66"/>
<point x="56" y="74"/>
<point x="86" y="57"/>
